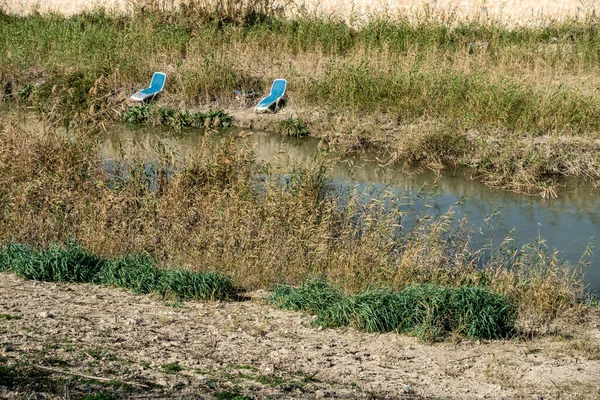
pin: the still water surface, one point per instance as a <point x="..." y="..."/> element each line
<point x="566" y="223"/>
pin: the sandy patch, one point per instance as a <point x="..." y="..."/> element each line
<point x="261" y="351"/>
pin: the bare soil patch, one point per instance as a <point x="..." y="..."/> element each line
<point x="55" y="338"/>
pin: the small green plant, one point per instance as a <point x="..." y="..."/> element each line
<point x="9" y="375"/>
<point x="171" y="368"/>
<point x="218" y="119"/>
<point x="138" y="114"/>
<point x="9" y="317"/>
<point x="25" y="92"/>
<point x="228" y="395"/>
<point x="100" y="396"/>
<point x="179" y="119"/>
<point x="295" y="127"/>
<point x="175" y="119"/>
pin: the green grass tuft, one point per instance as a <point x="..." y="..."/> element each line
<point x="425" y="310"/>
<point x="9" y="317"/>
<point x="227" y="395"/>
<point x="314" y="296"/>
<point x="171" y="368"/>
<point x="100" y="396"/>
<point x="70" y="263"/>
<point x="194" y="285"/>
<point x="136" y="272"/>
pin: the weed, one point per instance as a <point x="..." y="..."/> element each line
<point x="134" y="271"/>
<point x="428" y="311"/>
<point x="270" y="380"/>
<point x="9" y="375"/>
<point x="99" y="396"/>
<point x="228" y="395"/>
<point x="193" y="285"/>
<point x="9" y="317"/>
<point x="295" y="127"/>
<point x="176" y="119"/>
<point x="72" y="263"/>
<point x="56" y="264"/>
<point x="171" y="368"/>
<point x="25" y="92"/>
<point x="137" y="114"/>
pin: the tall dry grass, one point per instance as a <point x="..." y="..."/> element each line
<point x="222" y="210"/>
<point x="519" y="105"/>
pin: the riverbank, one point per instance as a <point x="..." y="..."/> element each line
<point x="220" y="209"/>
<point x="517" y="105"/>
<point x="88" y="340"/>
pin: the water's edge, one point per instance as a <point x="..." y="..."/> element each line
<point x="567" y="223"/>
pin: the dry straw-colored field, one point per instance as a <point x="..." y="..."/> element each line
<point x="511" y="11"/>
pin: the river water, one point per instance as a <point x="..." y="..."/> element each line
<point x="566" y="223"/>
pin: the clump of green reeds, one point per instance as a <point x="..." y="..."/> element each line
<point x="70" y="263"/>
<point x="176" y="119"/>
<point x="426" y="310"/>
<point x="139" y="273"/>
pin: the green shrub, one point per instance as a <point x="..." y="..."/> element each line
<point x="314" y="296"/>
<point x="13" y="254"/>
<point x="176" y="119"/>
<point x="295" y="127"/>
<point x="138" y="114"/>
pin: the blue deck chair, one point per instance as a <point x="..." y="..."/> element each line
<point x="271" y="102"/>
<point x="156" y="86"/>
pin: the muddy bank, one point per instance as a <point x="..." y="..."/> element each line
<point x="253" y="349"/>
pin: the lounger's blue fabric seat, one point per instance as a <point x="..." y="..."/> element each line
<point x="156" y="86"/>
<point x="271" y="102"/>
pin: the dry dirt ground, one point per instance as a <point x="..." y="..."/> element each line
<point x="63" y="341"/>
<point x="519" y="11"/>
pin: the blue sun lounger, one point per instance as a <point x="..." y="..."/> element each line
<point x="270" y="103"/>
<point x="156" y="86"/>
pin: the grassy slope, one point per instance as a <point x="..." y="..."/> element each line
<point x="522" y="110"/>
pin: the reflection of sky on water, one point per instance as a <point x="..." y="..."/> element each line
<point x="566" y="223"/>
